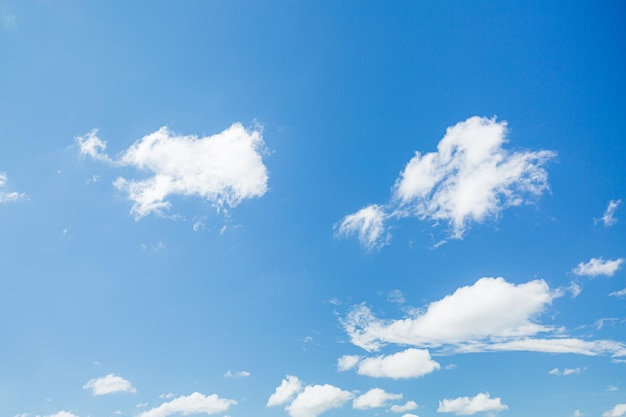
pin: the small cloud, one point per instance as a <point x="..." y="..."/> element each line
<point x="108" y="385"/>
<point x="374" y="398"/>
<point x="565" y="372"/>
<point x="396" y="296"/>
<point x="368" y="225"/>
<point x="598" y="266"/>
<point x="62" y="414"/>
<point x="239" y="374"/>
<point x="317" y="399"/>
<point x="347" y="362"/>
<point x="554" y="371"/>
<point x="577" y="413"/>
<point x="619" y="294"/>
<point x="575" y="289"/>
<point x="468" y="406"/>
<point x="141" y="405"/>
<point x="195" y="403"/>
<point x="289" y="387"/>
<point x="167" y="395"/>
<point x="410" y="405"/>
<point x="612" y="388"/>
<point x="608" y="219"/>
<point x="8" y="196"/>
<point x="410" y="363"/>
<point x="308" y="339"/>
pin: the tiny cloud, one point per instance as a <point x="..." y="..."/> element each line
<point x="224" y="169"/>
<point x="469" y="179"/>
<point x="108" y="385"/>
<point x="608" y="219"/>
<point x="239" y="374"/>
<point x="8" y="196"/>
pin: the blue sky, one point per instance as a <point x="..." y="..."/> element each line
<point x="299" y="209"/>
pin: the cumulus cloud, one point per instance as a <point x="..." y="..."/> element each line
<point x="491" y="307"/>
<point x="317" y="399"/>
<point x="368" y="225"/>
<point x="618" y="411"/>
<point x="374" y="398"/>
<point x="608" y="218"/>
<point x="224" y="169"/>
<point x="410" y="363"/>
<point x="410" y="405"/>
<point x="463" y="406"/>
<point x="289" y="387"/>
<point x="195" y="403"/>
<point x="8" y="196"/>
<point x="598" y="266"/>
<point x="108" y="385"/>
<point x="239" y="374"/>
<point x="469" y="179"/>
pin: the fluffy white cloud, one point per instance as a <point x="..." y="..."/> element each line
<point x="109" y="384"/>
<point x="410" y="363"/>
<point x="368" y="225"/>
<point x="7" y="196"/>
<point x="224" y="169"/>
<point x="374" y="398"/>
<point x="289" y="387"/>
<point x="470" y="178"/>
<point x="618" y="411"/>
<point x="195" y="403"/>
<point x="410" y="405"/>
<point x="347" y="362"/>
<point x="608" y="219"/>
<point x="598" y="266"/>
<point x="489" y="308"/>
<point x="63" y="414"/>
<point x="239" y="374"/>
<point x="463" y="406"/>
<point x="317" y="399"/>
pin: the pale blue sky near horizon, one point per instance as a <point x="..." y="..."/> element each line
<point x="316" y="121"/>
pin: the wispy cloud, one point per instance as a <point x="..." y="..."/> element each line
<point x="109" y="384"/>
<point x="565" y="372"/>
<point x="469" y="179"/>
<point x="598" y="266"/>
<point x="224" y="169"/>
<point x="238" y="374"/>
<point x="463" y="406"/>
<point x="619" y="294"/>
<point x="8" y="196"/>
<point x="195" y="403"/>
<point x="410" y="363"/>
<point x="608" y="218"/>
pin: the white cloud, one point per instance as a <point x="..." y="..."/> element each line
<point x="577" y="413"/>
<point x="469" y="179"/>
<point x="598" y="266"/>
<point x="8" y="196"/>
<point x="566" y="371"/>
<point x="347" y="362"/>
<point x="62" y="414"/>
<point x="374" y="398"/>
<point x="317" y="399"/>
<point x="489" y="308"/>
<point x="289" y="387"/>
<point x="21" y="415"/>
<point x="195" y="403"/>
<point x="410" y="415"/>
<point x="410" y="363"/>
<point x="612" y="388"/>
<point x="109" y="384"/>
<point x="368" y="225"/>
<point x="608" y="219"/>
<point x="410" y="405"/>
<point x="463" y="406"/>
<point x="620" y="293"/>
<point x="239" y="374"/>
<point x="556" y="345"/>
<point x="224" y="169"/>
<point x="618" y="411"/>
<point x="396" y="296"/>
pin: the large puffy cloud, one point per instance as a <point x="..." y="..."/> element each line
<point x="7" y="196"/>
<point x="463" y="406"/>
<point x="374" y="398"/>
<point x="618" y="411"/>
<point x="468" y="179"/>
<point x="410" y="363"/>
<point x="491" y="307"/>
<point x="490" y="315"/>
<point x="225" y="168"/>
<point x="317" y="399"/>
<point x="195" y="403"/>
<point x="598" y="266"/>
<point x="109" y="384"/>
<point x="288" y="388"/>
